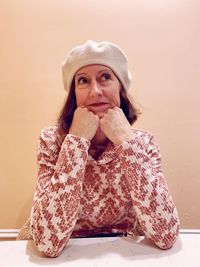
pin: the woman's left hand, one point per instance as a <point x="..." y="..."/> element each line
<point x="115" y="126"/>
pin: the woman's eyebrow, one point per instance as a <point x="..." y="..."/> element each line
<point x="105" y="70"/>
<point x="79" y="74"/>
<point x="83" y="73"/>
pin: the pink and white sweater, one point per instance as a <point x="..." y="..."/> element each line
<point x="124" y="191"/>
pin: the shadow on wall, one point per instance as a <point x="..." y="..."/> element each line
<point x="24" y="213"/>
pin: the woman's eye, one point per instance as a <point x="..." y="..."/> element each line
<point x="82" y="80"/>
<point x="106" y="76"/>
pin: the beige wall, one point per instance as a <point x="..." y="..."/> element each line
<point x="161" y="39"/>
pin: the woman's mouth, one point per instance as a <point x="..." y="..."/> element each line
<point x="101" y="106"/>
<point x="98" y="104"/>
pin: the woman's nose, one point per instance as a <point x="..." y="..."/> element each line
<point x="95" y="89"/>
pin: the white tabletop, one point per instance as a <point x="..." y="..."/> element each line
<point x="107" y="251"/>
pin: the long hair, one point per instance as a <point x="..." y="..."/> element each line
<point x="67" y="112"/>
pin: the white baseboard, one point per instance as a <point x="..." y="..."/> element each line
<point x="8" y="233"/>
<point x="190" y="231"/>
<point x="12" y="233"/>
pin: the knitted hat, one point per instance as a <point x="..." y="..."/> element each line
<point x="103" y="53"/>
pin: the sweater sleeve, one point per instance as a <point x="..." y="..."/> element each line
<point x="57" y="195"/>
<point x="155" y="209"/>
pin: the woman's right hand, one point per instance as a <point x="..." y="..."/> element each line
<point x="84" y="124"/>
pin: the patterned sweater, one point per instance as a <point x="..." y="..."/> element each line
<point x="123" y="191"/>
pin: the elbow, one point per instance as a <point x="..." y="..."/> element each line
<point x="166" y="244"/>
<point x="167" y="240"/>
<point x="49" y="249"/>
<point x="49" y="239"/>
<point x="165" y="234"/>
<point x="51" y="253"/>
<point x="50" y="245"/>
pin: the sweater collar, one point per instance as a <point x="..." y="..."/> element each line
<point x="108" y="155"/>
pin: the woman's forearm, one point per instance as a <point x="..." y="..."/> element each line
<point x="155" y="209"/>
<point x="57" y="196"/>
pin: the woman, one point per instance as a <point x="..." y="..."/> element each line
<point x="98" y="175"/>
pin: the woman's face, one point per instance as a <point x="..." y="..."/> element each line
<point x="97" y="88"/>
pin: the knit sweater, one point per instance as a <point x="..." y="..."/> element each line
<point x="123" y="191"/>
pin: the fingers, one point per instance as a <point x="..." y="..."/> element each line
<point x="110" y="112"/>
<point x="84" y="123"/>
<point x="81" y="107"/>
<point x="112" y="109"/>
<point x="84" y="110"/>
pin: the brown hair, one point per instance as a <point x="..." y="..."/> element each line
<point x="67" y="112"/>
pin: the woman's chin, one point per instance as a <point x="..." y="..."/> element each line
<point x="99" y="109"/>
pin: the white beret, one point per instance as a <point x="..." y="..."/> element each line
<point x="103" y="53"/>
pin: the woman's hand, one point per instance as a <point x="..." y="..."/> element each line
<point x="115" y="126"/>
<point x="85" y="123"/>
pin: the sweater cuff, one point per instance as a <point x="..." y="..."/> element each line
<point x="73" y="148"/>
<point x="133" y="150"/>
<point x="78" y="140"/>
